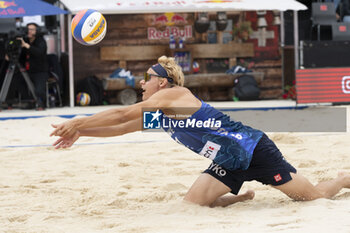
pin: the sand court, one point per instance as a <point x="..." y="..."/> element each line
<point x="136" y="183"/>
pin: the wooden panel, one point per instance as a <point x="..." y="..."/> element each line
<point x="191" y="81"/>
<point x="271" y="72"/>
<point x="133" y="53"/>
<point x="217" y="79"/>
<point x="230" y="50"/>
<point x="119" y="83"/>
<point x="272" y="93"/>
<point x="271" y="83"/>
<point x="268" y="63"/>
<point x="87" y="62"/>
<point x="122" y="64"/>
<point x="209" y="80"/>
<point x="232" y="62"/>
<point x="150" y="52"/>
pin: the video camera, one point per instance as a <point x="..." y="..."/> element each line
<point x="13" y="46"/>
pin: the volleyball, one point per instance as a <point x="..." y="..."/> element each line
<point x="83" y="99"/>
<point x="89" y="27"/>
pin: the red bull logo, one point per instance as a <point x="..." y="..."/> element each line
<point x="11" y="8"/>
<point x="170" y="19"/>
<point x="5" y="4"/>
<point x="154" y="34"/>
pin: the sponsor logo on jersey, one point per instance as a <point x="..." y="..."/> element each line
<point x="210" y="150"/>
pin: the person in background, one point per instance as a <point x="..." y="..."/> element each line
<point x="344" y="10"/>
<point x="336" y="3"/>
<point x="33" y="57"/>
<point x="337" y="6"/>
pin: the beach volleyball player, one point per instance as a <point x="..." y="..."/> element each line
<point x="239" y="153"/>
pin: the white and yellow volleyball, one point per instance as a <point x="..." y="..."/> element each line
<point x="89" y="27"/>
<point x="83" y="99"/>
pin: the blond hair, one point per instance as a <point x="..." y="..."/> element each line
<point x="173" y="69"/>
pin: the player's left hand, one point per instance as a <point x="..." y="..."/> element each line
<point x="65" y="130"/>
<point x="66" y="142"/>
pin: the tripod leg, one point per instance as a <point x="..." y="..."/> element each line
<point x="7" y="81"/>
<point x="59" y="95"/>
<point x="29" y="83"/>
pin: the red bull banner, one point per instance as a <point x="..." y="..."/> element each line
<point x="174" y="23"/>
<point x="8" y="8"/>
<point x="154" y="34"/>
<point x="324" y="85"/>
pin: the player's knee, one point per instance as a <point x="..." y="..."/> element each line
<point x="197" y="199"/>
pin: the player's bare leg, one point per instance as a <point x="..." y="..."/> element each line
<point x="300" y="189"/>
<point x="224" y="201"/>
<point x="208" y="191"/>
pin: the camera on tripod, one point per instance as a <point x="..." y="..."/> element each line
<point x="13" y="46"/>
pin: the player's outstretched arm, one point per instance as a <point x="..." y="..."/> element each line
<point x="111" y="117"/>
<point x="109" y="131"/>
<point x="105" y="118"/>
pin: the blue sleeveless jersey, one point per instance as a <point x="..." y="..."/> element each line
<point x="228" y="143"/>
